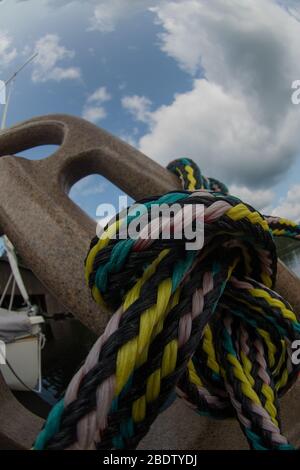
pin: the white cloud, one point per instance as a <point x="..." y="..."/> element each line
<point x="93" y="109"/>
<point x="292" y="7"/>
<point x="238" y="122"/>
<point x="50" y="54"/>
<point x="100" y="95"/>
<point x="289" y="206"/>
<point x="260" y="199"/>
<point x="7" y="52"/>
<point x="58" y="3"/>
<point x="94" y="113"/>
<point x="107" y="14"/>
<point x="139" y="107"/>
<point x="69" y="73"/>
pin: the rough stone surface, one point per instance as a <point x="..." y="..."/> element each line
<point x="52" y="235"/>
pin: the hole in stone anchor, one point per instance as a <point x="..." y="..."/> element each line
<point x="38" y="153"/>
<point x="99" y="198"/>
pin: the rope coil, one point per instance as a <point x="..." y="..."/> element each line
<point x="206" y="323"/>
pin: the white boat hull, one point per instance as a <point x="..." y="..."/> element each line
<point x="20" y="334"/>
<point x="24" y="357"/>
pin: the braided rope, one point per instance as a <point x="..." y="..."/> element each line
<point x="204" y="322"/>
<point x="192" y="179"/>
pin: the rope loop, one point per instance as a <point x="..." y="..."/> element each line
<point x="205" y="322"/>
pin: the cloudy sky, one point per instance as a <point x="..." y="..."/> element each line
<point x="207" y="79"/>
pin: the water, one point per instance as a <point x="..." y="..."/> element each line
<point x="68" y="343"/>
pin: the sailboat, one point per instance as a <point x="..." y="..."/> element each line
<point x="21" y="337"/>
<point x="21" y="334"/>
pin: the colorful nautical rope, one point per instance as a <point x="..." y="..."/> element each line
<point x="203" y="322"/>
<point x="191" y="178"/>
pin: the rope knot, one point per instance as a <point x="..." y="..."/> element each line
<point x="204" y="321"/>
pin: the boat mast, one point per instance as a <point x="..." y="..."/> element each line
<point x="9" y="85"/>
